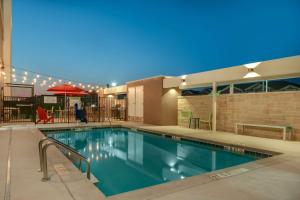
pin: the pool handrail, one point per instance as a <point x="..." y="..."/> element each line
<point x="58" y="144"/>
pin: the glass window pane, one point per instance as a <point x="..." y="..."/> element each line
<point x="223" y="89"/>
<point x="252" y="87"/>
<point x="281" y="85"/>
<point x="196" y="91"/>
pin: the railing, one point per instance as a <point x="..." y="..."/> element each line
<point x="58" y="144"/>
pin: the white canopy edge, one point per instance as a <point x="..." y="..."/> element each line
<point x="271" y="69"/>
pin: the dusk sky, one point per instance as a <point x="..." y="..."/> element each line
<point x="104" y="40"/>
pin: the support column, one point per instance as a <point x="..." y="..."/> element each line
<point x="214" y="106"/>
<point x="231" y="90"/>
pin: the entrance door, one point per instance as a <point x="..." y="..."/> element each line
<point x="136" y="103"/>
<point x="139" y="101"/>
<point x="131" y="102"/>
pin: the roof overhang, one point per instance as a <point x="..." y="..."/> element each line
<point x="121" y="89"/>
<point x="272" y="69"/>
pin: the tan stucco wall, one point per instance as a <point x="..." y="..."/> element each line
<point x="156" y="109"/>
<point x="278" y="108"/>
<point x="169" y="106"/>
<point x="5" y="43"/>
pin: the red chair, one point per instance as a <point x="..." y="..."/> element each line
<point x="43" y="116"/>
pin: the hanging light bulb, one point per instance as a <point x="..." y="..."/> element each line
<point x="25" y="73"/>
<point x="69" y="82"/>
<point x="13" y="69"/>
<point x="50" y="78"/>
<point x="38" y="76"/>
<point x="89" y="85"/>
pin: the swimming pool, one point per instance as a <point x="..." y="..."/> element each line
<point x="124" y="160"/>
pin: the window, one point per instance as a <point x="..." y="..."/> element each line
<point x="196" y="91"/>
<point x="223" y="89"/>
<point x="121" y="96"/>
<point x="252" y="87"/>
<point x="291" y="84"/>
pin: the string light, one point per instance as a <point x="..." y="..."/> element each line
<point x="22" y="75"/>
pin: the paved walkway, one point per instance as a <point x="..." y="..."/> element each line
<point x="272" y="178"/>
<point x="25" y="180"/>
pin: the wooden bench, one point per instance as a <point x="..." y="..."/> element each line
<point x="285" y="129"/>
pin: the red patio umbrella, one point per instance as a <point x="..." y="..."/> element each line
<point x="71" y="93"/>
<point x="67" y="90"/>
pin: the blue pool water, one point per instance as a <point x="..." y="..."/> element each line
<point x="125" y="160"/>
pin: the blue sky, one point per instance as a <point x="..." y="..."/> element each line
<point x="104" y="40"/>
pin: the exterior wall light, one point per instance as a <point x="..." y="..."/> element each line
<point x="251" y="73"/>
<point x="183" y="80"/>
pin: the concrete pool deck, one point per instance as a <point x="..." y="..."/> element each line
<point x="277" y="177"/>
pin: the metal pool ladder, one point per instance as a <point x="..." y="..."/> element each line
<point x="58" y="144"/>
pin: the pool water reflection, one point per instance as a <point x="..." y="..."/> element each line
<point x="125" y="160"/>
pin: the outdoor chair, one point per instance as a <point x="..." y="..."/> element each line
<point x="208" y="121"/>
<point x="188" y="116"/>
<point x="42" y="114"/>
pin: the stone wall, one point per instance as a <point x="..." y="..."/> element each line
<point x="200" y="106"/>
<point x="277" y="108"/>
